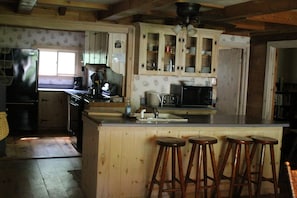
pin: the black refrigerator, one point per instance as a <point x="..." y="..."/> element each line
<point x="22" y="94"/>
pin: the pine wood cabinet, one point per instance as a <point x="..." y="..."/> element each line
<point x="52" y="110"/>
<point x="96" y="47"/>
<point x="160" y="51"/>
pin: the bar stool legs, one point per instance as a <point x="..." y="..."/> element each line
<point x="202" y="142"/>
<point x="263" y="142"/>
<point x="237" y="141"/>
<point x="175" y="144"/>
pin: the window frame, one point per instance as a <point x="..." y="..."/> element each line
<point x="57" y="50"/>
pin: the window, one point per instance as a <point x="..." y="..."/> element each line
<point x="56" y="62"/>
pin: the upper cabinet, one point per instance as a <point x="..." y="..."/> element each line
<point x="96" y="48"/>
<point x="160" y="51"/>
<point x="157" y="50"/>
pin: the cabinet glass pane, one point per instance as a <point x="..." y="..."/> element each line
<point x="152" y="51"/>
<point x="169" y="53"/>
<point x="190" y="62"/>
<point x="206" y="55"/>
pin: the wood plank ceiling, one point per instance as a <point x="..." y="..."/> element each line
<point x="241" y="17"/>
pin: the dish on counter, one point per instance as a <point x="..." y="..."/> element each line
<point x="162" y="117"/>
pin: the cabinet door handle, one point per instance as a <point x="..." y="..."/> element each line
<point x="177" y="67"/>
<point x="214" y="70"/>
<point x="142" y="65"/>
<point x="182" y="68"/>
<point x="144" y="36"/>
<point x="179" y="40"/>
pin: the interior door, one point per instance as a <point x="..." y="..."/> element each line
<point x="228" y="80"/>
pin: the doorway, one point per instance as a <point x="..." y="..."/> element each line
<point x="271" y="76"/>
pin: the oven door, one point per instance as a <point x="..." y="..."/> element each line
<point x="75" y="122"/>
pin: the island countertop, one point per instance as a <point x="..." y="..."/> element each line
<point x="214" y="120"/>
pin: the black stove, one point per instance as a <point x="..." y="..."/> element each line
<point x="76" y="106"/>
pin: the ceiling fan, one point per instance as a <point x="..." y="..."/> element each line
<point x="187" y="13"/>
<point x="188" y="18"/>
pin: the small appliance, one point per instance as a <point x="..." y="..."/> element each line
<point x="192" y="96"/>
<point x="77" y="83"/>
<point x="169" y="100"/>
<point x="153" y="99"/>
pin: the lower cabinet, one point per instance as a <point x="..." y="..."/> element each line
<point x="52" y="111"/>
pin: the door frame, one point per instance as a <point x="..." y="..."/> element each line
<point x="268" y="97"/>
<point x="244" y="45"/>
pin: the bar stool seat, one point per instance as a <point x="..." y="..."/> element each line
<point x="175" y="144"/>
<point x="264" y="141"/>
<point x="202" y="142"/>
<point x="235" y="182"/>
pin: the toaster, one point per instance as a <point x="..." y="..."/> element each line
<point x="168" y="100"/>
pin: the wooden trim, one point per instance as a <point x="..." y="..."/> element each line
<point x="267" y="111"/>
<point x="60" y="24"/>
<point x="74" y="4"/>
<point x="130" y="61"/>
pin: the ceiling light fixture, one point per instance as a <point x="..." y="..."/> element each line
<point x="188" y="15"/>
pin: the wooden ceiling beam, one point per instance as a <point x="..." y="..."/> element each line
<point x="250" y="25"/>
<point x="250" y="8"/>
<point x="289" y="18"/>
<point x="132" y="7"/>
<point x="73" y="4"/>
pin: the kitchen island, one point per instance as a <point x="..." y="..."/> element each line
<point x="119" y="154"/>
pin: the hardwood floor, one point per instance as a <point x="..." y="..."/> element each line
<point x="39" y="147"/>
<point x="60" y="177"/>
<point x="47" y="167"/>
<point x="41" y="178"/>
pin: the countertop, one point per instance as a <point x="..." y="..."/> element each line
<point x="68" y="91"/>
<point x="214" y="120"/>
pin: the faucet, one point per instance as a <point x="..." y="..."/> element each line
<point x="142" y="113"/>
<point x="156" y="112"/>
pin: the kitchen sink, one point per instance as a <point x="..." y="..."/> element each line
<point x="162" y="117"/>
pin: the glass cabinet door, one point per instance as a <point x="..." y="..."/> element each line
<point x="191" y="55"/>
<point x="169" y="53"/>
<point x="152" y="52"/>
<point x="206" y="55"/>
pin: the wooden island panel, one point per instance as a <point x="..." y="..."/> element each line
<point x="118" y="161"/>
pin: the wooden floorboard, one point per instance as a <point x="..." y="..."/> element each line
<point x="39" y="147"/>
<point x="41" y="178"/>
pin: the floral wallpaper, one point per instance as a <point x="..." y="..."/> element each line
<point x="17" y="37"/>
<point x="160" y="84"/>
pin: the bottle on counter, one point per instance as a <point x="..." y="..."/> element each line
<point x="128" y="108"/>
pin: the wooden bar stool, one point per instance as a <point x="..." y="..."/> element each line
<point x="264" y="141"/>
<point x="202" y="142"/>
<point x="235" y="182"/>
<point x="175" y="144"/>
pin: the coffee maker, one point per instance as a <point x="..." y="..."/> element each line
<point x="77" y="83"/>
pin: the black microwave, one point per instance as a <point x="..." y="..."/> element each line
<point x="192" y="96"/>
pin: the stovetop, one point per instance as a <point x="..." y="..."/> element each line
<point x="83" y="95"/>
